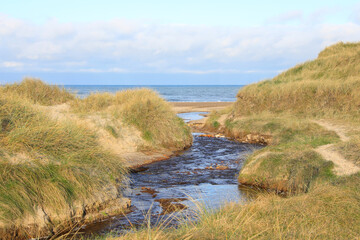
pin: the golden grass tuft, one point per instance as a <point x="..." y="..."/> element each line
<point x="47" y="163"/>
<point x="93" y="103"/>
<point x="153" y="116"/>
<point x="38" y="92"/>
<point x="144" y="109"/>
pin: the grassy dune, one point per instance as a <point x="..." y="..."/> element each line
<point x="145" y="110"/>
<point x="321" y="205"/>
<point x="47" y="163"/>
<point x="52" y="163"/>
<point x="289" y="163"/>
<point x="325" y="87"/>
<point x="36" y="91"/>
<point x="285" y="107"/>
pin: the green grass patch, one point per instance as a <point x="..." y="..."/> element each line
<point x="112" y="131"/>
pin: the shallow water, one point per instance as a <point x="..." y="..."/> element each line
<point x="189" y="116"/>
<point x="191" y="177"/>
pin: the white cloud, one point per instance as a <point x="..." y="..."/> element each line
<point x="127" y="46"/>
<point x="94" y="70"/>
<point x="11" y="64"/>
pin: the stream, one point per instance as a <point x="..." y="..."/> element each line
<point x="205" y="174"/>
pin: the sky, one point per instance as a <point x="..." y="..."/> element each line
<point x="167" y="42"/>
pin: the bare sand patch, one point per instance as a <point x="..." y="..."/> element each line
<point x="328" y="152"/>
<point x="182" y="107"/>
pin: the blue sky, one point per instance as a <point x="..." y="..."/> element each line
<point x="167" y="42"/>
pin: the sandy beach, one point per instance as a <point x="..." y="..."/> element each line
<point x="182" y="107"/>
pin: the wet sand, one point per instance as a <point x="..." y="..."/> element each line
<point x="182" y="107"/>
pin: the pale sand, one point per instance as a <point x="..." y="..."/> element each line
<point x="342" y="165"/>
<point x="182" y="107"/>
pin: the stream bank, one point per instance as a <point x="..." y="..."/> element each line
<point x="204" y="174"/>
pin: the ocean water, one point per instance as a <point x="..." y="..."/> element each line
<point x="223" y="93"/>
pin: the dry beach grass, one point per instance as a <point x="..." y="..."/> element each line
<point x="310" y="106"/>
<point x="298" y="110"/>
<point x="53" y="157"/>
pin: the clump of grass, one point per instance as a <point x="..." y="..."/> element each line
<point x="290" y="171"/>
<point x="112" y="131"/>
<point x="47" y="163"/>
<point x="93" y="103"/>
<point x="38" y="92"/>
<point x="144" y="109"/>
<point x="153" y="116"/>
<point x="212" y="122"/>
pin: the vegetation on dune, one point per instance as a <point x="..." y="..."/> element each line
<point x="93" y="103"/>
<point x="284" y="108"/>
<point x="289" y="163"/>
<point x="144" y="109"/>
<point x="153" y="116"/>
<point x="351" y="149"/>
<point x="141" y="108"/>
<point x="52" y="161"/>
<point x="47" y="163"/>
<point x="326" y="86"/>
<point x="39" y="92"/>
<point x="322" y="205"/>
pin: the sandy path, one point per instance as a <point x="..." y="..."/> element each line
<point x="340" y="130"/>
<point x="181" y="107"/>
<point x="342" y="166"/>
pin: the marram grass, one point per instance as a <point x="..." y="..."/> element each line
<point x="328" y="86"/>
<point x="37" y="91"/>
<point x="49" y="163"/>
<point x="144" y="109"/>
<point x="53" y="162"/>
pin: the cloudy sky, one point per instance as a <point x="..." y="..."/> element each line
<point x="167" y="42"/>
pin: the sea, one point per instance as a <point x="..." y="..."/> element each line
<point x="178" y="93"/>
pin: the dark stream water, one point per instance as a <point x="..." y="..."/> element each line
<point x="187" y="179"/>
